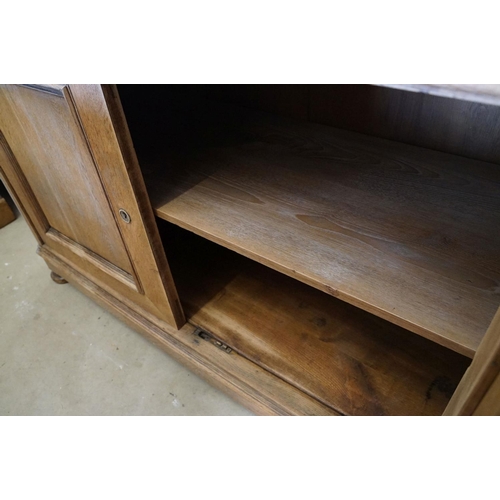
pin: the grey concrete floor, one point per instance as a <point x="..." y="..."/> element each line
<point x="61" y="354"/>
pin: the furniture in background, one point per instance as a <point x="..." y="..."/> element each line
<point x="6" y="213"/>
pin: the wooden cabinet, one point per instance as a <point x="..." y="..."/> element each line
<point x="331" y="249"/>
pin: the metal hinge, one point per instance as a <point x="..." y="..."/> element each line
<point x="208" y="337"/>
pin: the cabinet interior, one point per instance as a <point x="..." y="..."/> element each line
<point x="348" y="359"/>
<point x="343" y="237"/>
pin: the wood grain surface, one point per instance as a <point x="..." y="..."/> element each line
<point x="463" y="127"/>
<point x="489" y="406"/>
<point x="453" y="126"/>
<point x="403" y="232"/>
<point x="54" y="157"/>
<point x="346" y="358"/>
<point x="69" y="163"/>
<point x="478" y="390"/>
<point x="106" y="126"/>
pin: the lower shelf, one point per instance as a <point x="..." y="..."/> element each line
<point x="347" y="359"/>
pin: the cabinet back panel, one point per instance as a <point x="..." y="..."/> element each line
<point x="453" y="126"/>
<point x="459" y="127"/>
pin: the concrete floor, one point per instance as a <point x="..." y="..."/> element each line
<point x="61" y="354"/>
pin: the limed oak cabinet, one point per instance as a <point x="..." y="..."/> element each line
<point x="309" y="249"/>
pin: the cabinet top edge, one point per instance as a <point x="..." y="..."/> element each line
<point x="50" y="88"/>
<point x="480" y="93"/>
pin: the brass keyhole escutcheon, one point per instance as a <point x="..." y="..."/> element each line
<point x="124" y="215"/>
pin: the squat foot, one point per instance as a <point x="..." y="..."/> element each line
<point x="57" y="279"/>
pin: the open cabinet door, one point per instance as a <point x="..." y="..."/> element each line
<point x="68" y="160"/>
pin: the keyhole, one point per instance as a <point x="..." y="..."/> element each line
<point x="124" y="215"/>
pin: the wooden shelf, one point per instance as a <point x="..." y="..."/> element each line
<point x="349" y="360"/>
<point x="405" y="233"/>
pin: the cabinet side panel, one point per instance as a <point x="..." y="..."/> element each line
<point x="100" y="111"/>
<point x="490" y="404"/>
<point x="478" y="387"/>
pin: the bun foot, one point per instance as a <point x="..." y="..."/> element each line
<point x="57" y="279"/>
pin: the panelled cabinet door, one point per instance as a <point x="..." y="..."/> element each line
<point x="66" y="154"/>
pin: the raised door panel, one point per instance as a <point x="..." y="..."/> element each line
<point x="59" y="168"/>
<point x="67" y="157"/>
